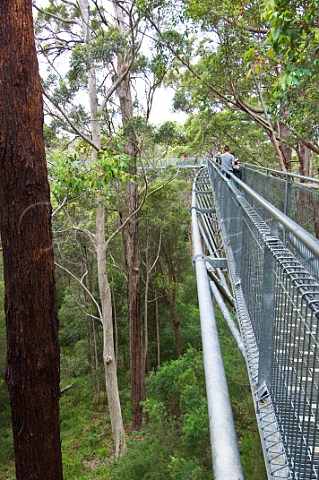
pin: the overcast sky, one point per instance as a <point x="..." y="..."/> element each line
<point x="162" y="110"/>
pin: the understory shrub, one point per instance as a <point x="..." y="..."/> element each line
<point x="174" y="442"/>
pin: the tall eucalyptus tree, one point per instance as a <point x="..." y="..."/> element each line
<point x="124" y="18"/>
<point x="83" y="62"/>
<point x="101" y="46"/>
<point x="32" y="370"/>
<point x="104" y="286"/>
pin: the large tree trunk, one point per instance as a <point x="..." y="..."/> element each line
<point x="132" y="240"/>
<point x="285" y="149"/>
<point x="304" y="157"/>
<point x="32" y="371"/>
<point x="134" y="307"/>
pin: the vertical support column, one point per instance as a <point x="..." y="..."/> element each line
<point x="287" y="205"/>
<point x="238" y="247"/>
<point x="287" y="197"/>
<point x="266" y="339"/>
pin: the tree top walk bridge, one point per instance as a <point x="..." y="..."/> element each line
<point x="256" y="251"/>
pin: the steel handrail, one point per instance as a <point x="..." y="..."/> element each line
<point x="225" y="452"/>
<point x="279" y="172"/>
<point x="305" y="237"/>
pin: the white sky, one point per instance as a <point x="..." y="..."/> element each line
<point x="162" y="109"/>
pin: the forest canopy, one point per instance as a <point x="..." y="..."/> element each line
<point x="244" y="74"/>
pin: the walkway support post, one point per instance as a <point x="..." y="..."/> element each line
<point x="225" y="453"/>
<point x="266" y="340"/>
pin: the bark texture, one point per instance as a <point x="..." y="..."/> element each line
<point x="304" y="157"/>
<point x="132" y="249"/>
<point x="134" y="308"/>
<point x="285" y="149"/>
<point x="32" y="371"/>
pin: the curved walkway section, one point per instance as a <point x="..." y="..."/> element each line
<point x="276" y="298"/>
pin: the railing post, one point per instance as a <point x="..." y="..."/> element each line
<point x="266" y="339"/>
<point x="287" y="205"/>
<point x="237" y="248"/>
<point x="287" y="197"/>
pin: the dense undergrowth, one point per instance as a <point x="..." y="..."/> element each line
<point x="174" y="443"/>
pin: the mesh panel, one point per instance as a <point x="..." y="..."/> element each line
<point x="249" y="232"/>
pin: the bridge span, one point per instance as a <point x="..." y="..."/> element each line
<point x="256" y="253"/>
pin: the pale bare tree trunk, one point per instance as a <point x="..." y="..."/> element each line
<point x="96" y="358"/>
<point x="93" y="358"/>
<point x="108" y="338"/>
<point x="104" y="287"/>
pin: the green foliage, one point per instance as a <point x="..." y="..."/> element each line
<point x="167" y="134"/>
<point x="208" y="131"/>
<point x="293" y="36"/>
<point x="79" y="64"/>
<point x="174" y="443"/>
<point x="293" y="39"/>
<point x="148" y="453"/>
<point x="86" y="431"/>
<point x="175" y="380"/>
<point x="172" y="277"/>
<point x="72" y="320"/>
<point x="76" y="335"/>
<point x="168" y="435"/>
<point x="72" y="175"/>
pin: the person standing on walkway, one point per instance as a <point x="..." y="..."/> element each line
<point x="237" y="171"/>
<point x="226" y="161"/>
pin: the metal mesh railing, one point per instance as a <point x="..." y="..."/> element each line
<point x="298" y="200"/>
<point x="277" y="303"/>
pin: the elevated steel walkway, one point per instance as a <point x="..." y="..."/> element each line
<point x="259" y="259"/>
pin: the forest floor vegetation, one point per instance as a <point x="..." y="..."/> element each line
<point x="174" y="442"/>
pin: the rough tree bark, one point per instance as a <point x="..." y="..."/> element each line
<point x="285" y="149"/>
<point x="32" y="370"/>
<point x="132" y="239"/>
<point x="304" y="157"/>
<point x="134" y="308"/>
